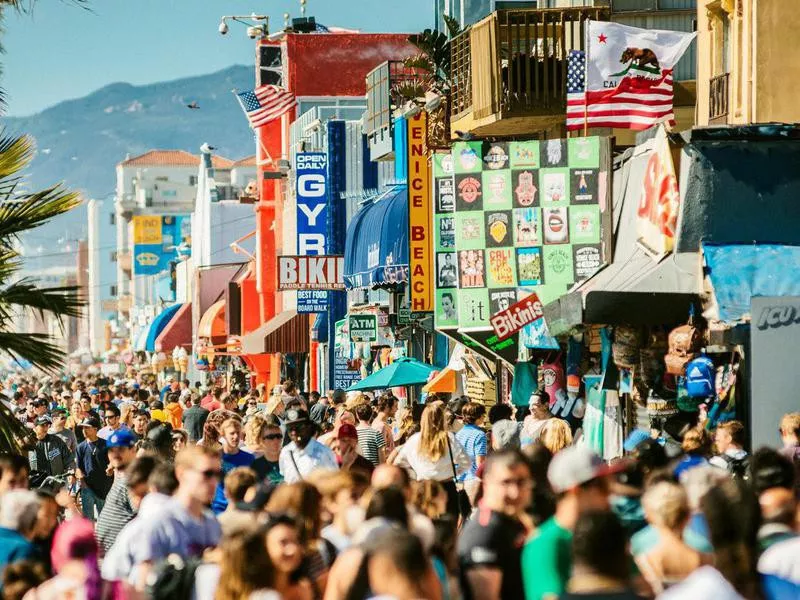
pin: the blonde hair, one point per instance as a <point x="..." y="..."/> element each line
<point x="697" y="441"/>
<point x="790" y="424"/>
<point x="433" y="432"/>
<point x="189" y="456"/>
<point x="330" y="483"/>
<point x="126" y="414"/>
<point x="556" y="435"/>
<point x="666" y="505"/>
<point x="426" y="493"/>
<point x="230" y="423"/>
<point x="244" y="564"/>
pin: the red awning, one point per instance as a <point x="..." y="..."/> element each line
<point x="286" y="332"/>
<point x="212" y="323"/>
<point x="178" y="332"/>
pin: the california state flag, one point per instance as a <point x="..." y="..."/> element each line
<point x="628" y="81"/>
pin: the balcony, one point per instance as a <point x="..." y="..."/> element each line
<point x="382" y="85"/>
<point x="510" y="69"/>
<point x="124" y="260"/>
<point x="718" y="100"/>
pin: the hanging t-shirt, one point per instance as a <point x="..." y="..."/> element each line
<point x="553" y="378"/>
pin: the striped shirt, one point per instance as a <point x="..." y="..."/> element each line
<point x="116" y="513"/>
<point x="474" y="441"/>
<point x="370" y="442"/>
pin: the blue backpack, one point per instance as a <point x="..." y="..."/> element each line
<point x="700" y="377"/>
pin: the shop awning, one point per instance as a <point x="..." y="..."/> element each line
<point x="178" y="331"/>
<point x="443" y="383"/>
<point x="319" y="332"/>
<point x="376" y="248"/>
<point x="212" y="323"/>
<point x="158" y="324"/>
<point x="140" y="342"/>
<point x="739" y="272"/>
<point x="286" y="332"/>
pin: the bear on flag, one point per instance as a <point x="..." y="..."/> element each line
<point x="624" y="79"/>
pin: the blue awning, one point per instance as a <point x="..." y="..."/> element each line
<point x="739" y="272"/>
<point x="376" y="249"/>
<point x="319" y="331"/>
<point x="157" y="326"/>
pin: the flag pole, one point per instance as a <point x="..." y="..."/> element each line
<point x="270" y="161"/>
<point x="586" y="41"/>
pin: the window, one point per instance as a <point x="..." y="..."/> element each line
<point x="192" y="179"/>
<point x="113" y="256"/>
<point x="112" y="290"/>
<point x="113" y="218"/>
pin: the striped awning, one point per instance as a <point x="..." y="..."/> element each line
<point x="286" y="332"/>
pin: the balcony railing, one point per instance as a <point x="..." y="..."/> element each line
<point x="513" y="63"/>
<point x="718" y="99"/>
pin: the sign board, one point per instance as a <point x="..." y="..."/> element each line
<point x="657" y="215"/>
<point x="515" y="317"/>
<point x="343" y="375"/>
<point x="775" y="378"/>
<point x="404" y="315"/>
<point x="444" y="243"/>
<point x="311" y="273"/>
<point x="420" y="236"/>
<point x="312" y="220"/>
<point x="313" y="301"/>
<point x="155" y="242"/>
<point x="363" y="328"/>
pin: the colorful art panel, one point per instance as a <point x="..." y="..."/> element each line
<point x="469" y="192"/>
<point x="445" y="232"/>
<point x="584" y="152"/>
<point x="584" y="224"/>
<point x="496" y="190"/>
<point x="557" y="262"/>
<point x="446" y="309"/>
<point x="529" y="267"/>
<point x="473" y="308"/>
<point x="471" y="269"/>
<point x="526" y="187"/>
<point x="470" y="230"/>
<point x="527" y="227"/>
<point x="554" y="187"/>
<point x="498" y="229"/>
<point x="467" y="157"/>
<point x="555" y="224"/>
<point x="524" y="155"/>
<point x="500" y="268"/>
<point x="587" y="260"/>
<point x="583" y="186"/>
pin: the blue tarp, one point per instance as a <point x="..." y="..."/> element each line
<point x="319" y="331"/>
<point x="158" y="325"/>
<point x="739" y="272"/>
<point x="376" y="249"/>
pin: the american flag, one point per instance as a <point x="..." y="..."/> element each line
<point x="265" y="104"/>
<point x="630" y="106"/>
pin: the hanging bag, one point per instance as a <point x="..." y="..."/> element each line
<point x="464" y="505"/>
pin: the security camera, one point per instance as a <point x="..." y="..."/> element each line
<point x="254" y="32"/>
<point x="223" y="27"/>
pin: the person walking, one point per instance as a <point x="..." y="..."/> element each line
<point x="473" y="438"/>
<point x="540" y="414"/>
<point x="303" y="454"/>
<point x="267" y="443"/>
<point x="731" y="455"/>
<point x="117" y="510"/>
<point x="232" y="456"/>
<point x="50" y="457"/>
<point x="92" y="469"/>
<point x="59" y="428"/>
<point x="371" y="443"/>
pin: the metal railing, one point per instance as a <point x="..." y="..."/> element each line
<point x="383" y="83"/>
<point x="718" y="97"/>
<point x="515" y="62"/>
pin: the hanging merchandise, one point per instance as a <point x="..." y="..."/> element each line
<point x="687" y="403"/>
<point x="700" y="377"/>
<point x="625" y="349"/>
<point x="724" y="409"/>
<point x="684" y="342"/>
<point x="658" y="407"/>
<point x="612" y="426"/>
<point x="524" y="383"/>
<point x="553" y="380"/>
<point x="593" y="418"/>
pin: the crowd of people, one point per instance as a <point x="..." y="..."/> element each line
<point x="133" y="490"/>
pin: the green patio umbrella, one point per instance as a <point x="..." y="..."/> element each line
<point x="403" y="371"/>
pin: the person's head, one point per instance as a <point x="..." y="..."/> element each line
<point x="539" y="404"/>
<point x="140" y="421"/>
<point x="19" y="510"/>
<point x="364" y="413"/>
<point x="599" y="546"/>
<point x="387" y="405"/>
<point x="245" y="566"/>
<point x="507" y="482"/>
<point x="697" y="442"/>
<point x="299" y="427"/>
<point x="137" y="477"/>
<point x="121" y="446"/>
<point x="729" y="436"/>
<point x="41" y="426"/>
<point x="229" y="401"/>
<point x="473" y="413"/>
<point x="40" y="407"/>
<point x="301" y="501"/>
<point x="231" y="431"/>
<point x="346" y="440"/>
<point x="14" y="471"/>
<point x="22" y="576"/>
<point x="180" y="438"/>
<point x="162" y="480"/>
<point x="448" y="304"/>
<point x="499" y="412"/>
<point x="390" y="504"/>
<point x="173" y="397"/>
<point x="771" y="469"/>
<point x="666" y="506"/>
<point x="579" y="478"/>
<point x="433" y="432"/>
<point x="198" y="470"/>
<point x="790" y="430"/>
<point x="396" y="560"/>
<point x="430" y="498"/>
<point x="505" y="435"/>
<point x="339" y="397"/>
<point x="237" y="482"/>
<point x="338" y="491"/>
<point x="59" y="417"/>
<point x="650" y="455"/>
<point x="386" y="475"/>
<point x="556" y="435"/>
<point x="284" y="548"/>
<point x="111" y="416"/>
<point x="46" y="517"/>
<point x="289" y="387"/>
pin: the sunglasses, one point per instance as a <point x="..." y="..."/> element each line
<point x="273" y="436"/>
<point x="211" y="474"/>
<point x="107" y="417"/>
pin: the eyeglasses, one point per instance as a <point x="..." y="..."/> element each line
<point x="211" y="474"/>
<point x="107" y="417"/>
<point x="273" y="436"/>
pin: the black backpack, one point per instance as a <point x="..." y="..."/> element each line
<point x="739" y="468"/>
<point x="173" y="578"/>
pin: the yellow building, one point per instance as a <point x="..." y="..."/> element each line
<point x="748" y="55"/>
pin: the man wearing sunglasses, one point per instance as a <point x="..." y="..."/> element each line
<point x="186" y="526"/>
<point x="111" y="416"/>
<point x="304" y="454"/>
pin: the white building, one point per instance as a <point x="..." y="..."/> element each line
<point x="102" y="278"/>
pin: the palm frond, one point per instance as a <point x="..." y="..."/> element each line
<point x="58" y="301"/>
<point x="453" y="26"/>
<point x="36" y="348"/>
<point x="33" y="210"/>
<point x="15" y="437"/>
<point x="16" y="153"/>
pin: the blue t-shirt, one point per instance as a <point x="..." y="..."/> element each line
<point x="229" y="462"/>
<point x="13" y="547"/>
<point x="474" y="441"/>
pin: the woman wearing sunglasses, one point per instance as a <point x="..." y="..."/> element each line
<point x="265" y="439"/>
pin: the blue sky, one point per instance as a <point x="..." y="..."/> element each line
<point x="61" y="51"/>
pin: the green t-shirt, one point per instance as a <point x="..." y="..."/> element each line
<point x="547" y="561"/>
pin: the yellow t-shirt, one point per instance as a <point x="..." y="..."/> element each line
<point x="159" y="415"/>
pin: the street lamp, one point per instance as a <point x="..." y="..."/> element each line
<point x="257" y="25"/>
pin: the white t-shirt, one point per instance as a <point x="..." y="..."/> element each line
<point x="425" y="468"/>
<point x="206" y="580"/>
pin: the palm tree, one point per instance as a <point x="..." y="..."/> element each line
<point x="20" y="211"/>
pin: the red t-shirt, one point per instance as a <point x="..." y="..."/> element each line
<point x="210" y="403"/>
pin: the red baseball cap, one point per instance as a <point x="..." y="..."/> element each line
<point x="347" y="430"/>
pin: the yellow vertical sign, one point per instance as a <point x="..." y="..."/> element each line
<point x="420" y="238"/>
<point x="146" y="230"/>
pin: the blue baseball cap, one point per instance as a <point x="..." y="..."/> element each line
<point x="635" y="437"/>
<point x="121" y="438"/>
<point x="94" y="392"/>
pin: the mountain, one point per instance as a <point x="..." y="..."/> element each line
<point x="81" y="141"/>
